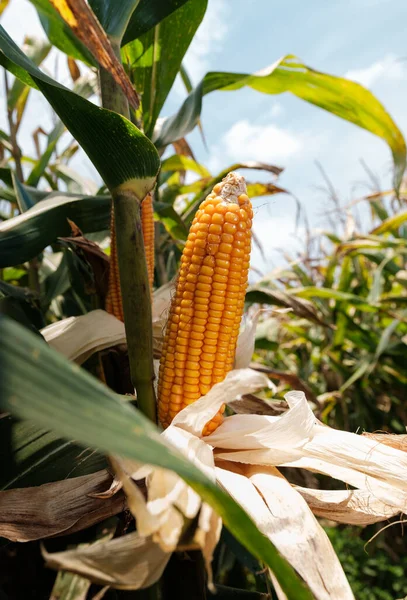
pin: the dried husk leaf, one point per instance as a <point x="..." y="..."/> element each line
<point x="57" y="508"/>
<point x="246" y="341"/>
<point x="237" y="382"/>
<point x="130" y="562"/>
<point x="284" y="517"/>
<point x="78" y="338"/>
<point x="353" y="507"/>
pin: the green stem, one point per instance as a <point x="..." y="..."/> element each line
<point x="113" y="97"/>
<point x="136" y="299"/>
<point x="132" y="269"/>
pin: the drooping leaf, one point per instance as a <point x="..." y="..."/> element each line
<point x="60" y="396"/>
<point x="26" y="235"/>
<point x="341" y="97"/>
<point x="152" y="66"/>
<point x="133" y="160"/>
<point x="60" y="34"/>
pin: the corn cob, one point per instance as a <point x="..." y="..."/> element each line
<point x="206" y="311"/>
<point x="113" y="303"/>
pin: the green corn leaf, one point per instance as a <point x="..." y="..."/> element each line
<point x="38" y="171"/>
<point x="153" y="68"/>
<point x="24" y="199"/>
<point x="316" y="292"/>
<point x="147" y="15"/>
<point x="133" y="160"/>
<point x="341" y="97"/>
<point x="26" y="235"/>
<point x="179" y="162"/>
<point x="33" y="456"/>
<point x="391" y="223"/>
<point x="37" y="51"/>
<point x="60" y="34"/>
<point x="40" y="385"/>
<point x="114" y="16"/>
<point x="171" y="220"/>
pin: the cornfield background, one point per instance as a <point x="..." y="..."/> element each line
<point x="332" y="320"/>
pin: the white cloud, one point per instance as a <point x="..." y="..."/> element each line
<point x="278" y="236"/>
<point x="389" y="67"/>
<point x="209" y="39"/>
<point x="276" y="110"/>
<point x="267" y="143"/>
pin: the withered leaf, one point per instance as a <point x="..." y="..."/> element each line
<point x="61" y="507"/>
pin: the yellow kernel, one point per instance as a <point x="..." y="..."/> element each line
<point x="203" y="287"/>
<point x="201" y="294"/>
<point x="207" y="271"/>
<point x="196" y="335"/>
<point x="229" y="228"/>
<point x="206" y="364"/>
<point x="220" y="278"/>
<point x="215" y="306"/>
<point x="209" y="261"/>
<point x="201" y="314"/>
<point x="196" y="260"/>
<point x="205" y="279"/>
<point x="217" y="218"/>
<point x="213" y="239"/>
<point x="205" y="379"/>
<point x="227" y="238"/>
<point x="192" y="365"/>
<point x="191" y="388"/>
<point x="215" y="228"/>
<point x="226" y="248"/>
<point x="231" y="217"/>
<point x="237" y="253"/>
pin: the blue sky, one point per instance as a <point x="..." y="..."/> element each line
<point x="360" y="39"/>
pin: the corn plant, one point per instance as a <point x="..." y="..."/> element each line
<point x="66" y="428"/>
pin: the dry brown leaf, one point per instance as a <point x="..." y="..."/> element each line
<point x="54" y="508"/>
<point x="284" y="517"/>
<point x="398" y="441"/>
<point x="129" y="562"/>
<point x="73" y="69"/>
<point x="81" y="19"/>
<point x="354" y="507"/>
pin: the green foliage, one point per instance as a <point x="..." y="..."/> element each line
<point x="372" y="573"/>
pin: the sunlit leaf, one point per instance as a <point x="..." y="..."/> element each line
<point x="339" y="96"/>
<point x="153" y="69"/>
